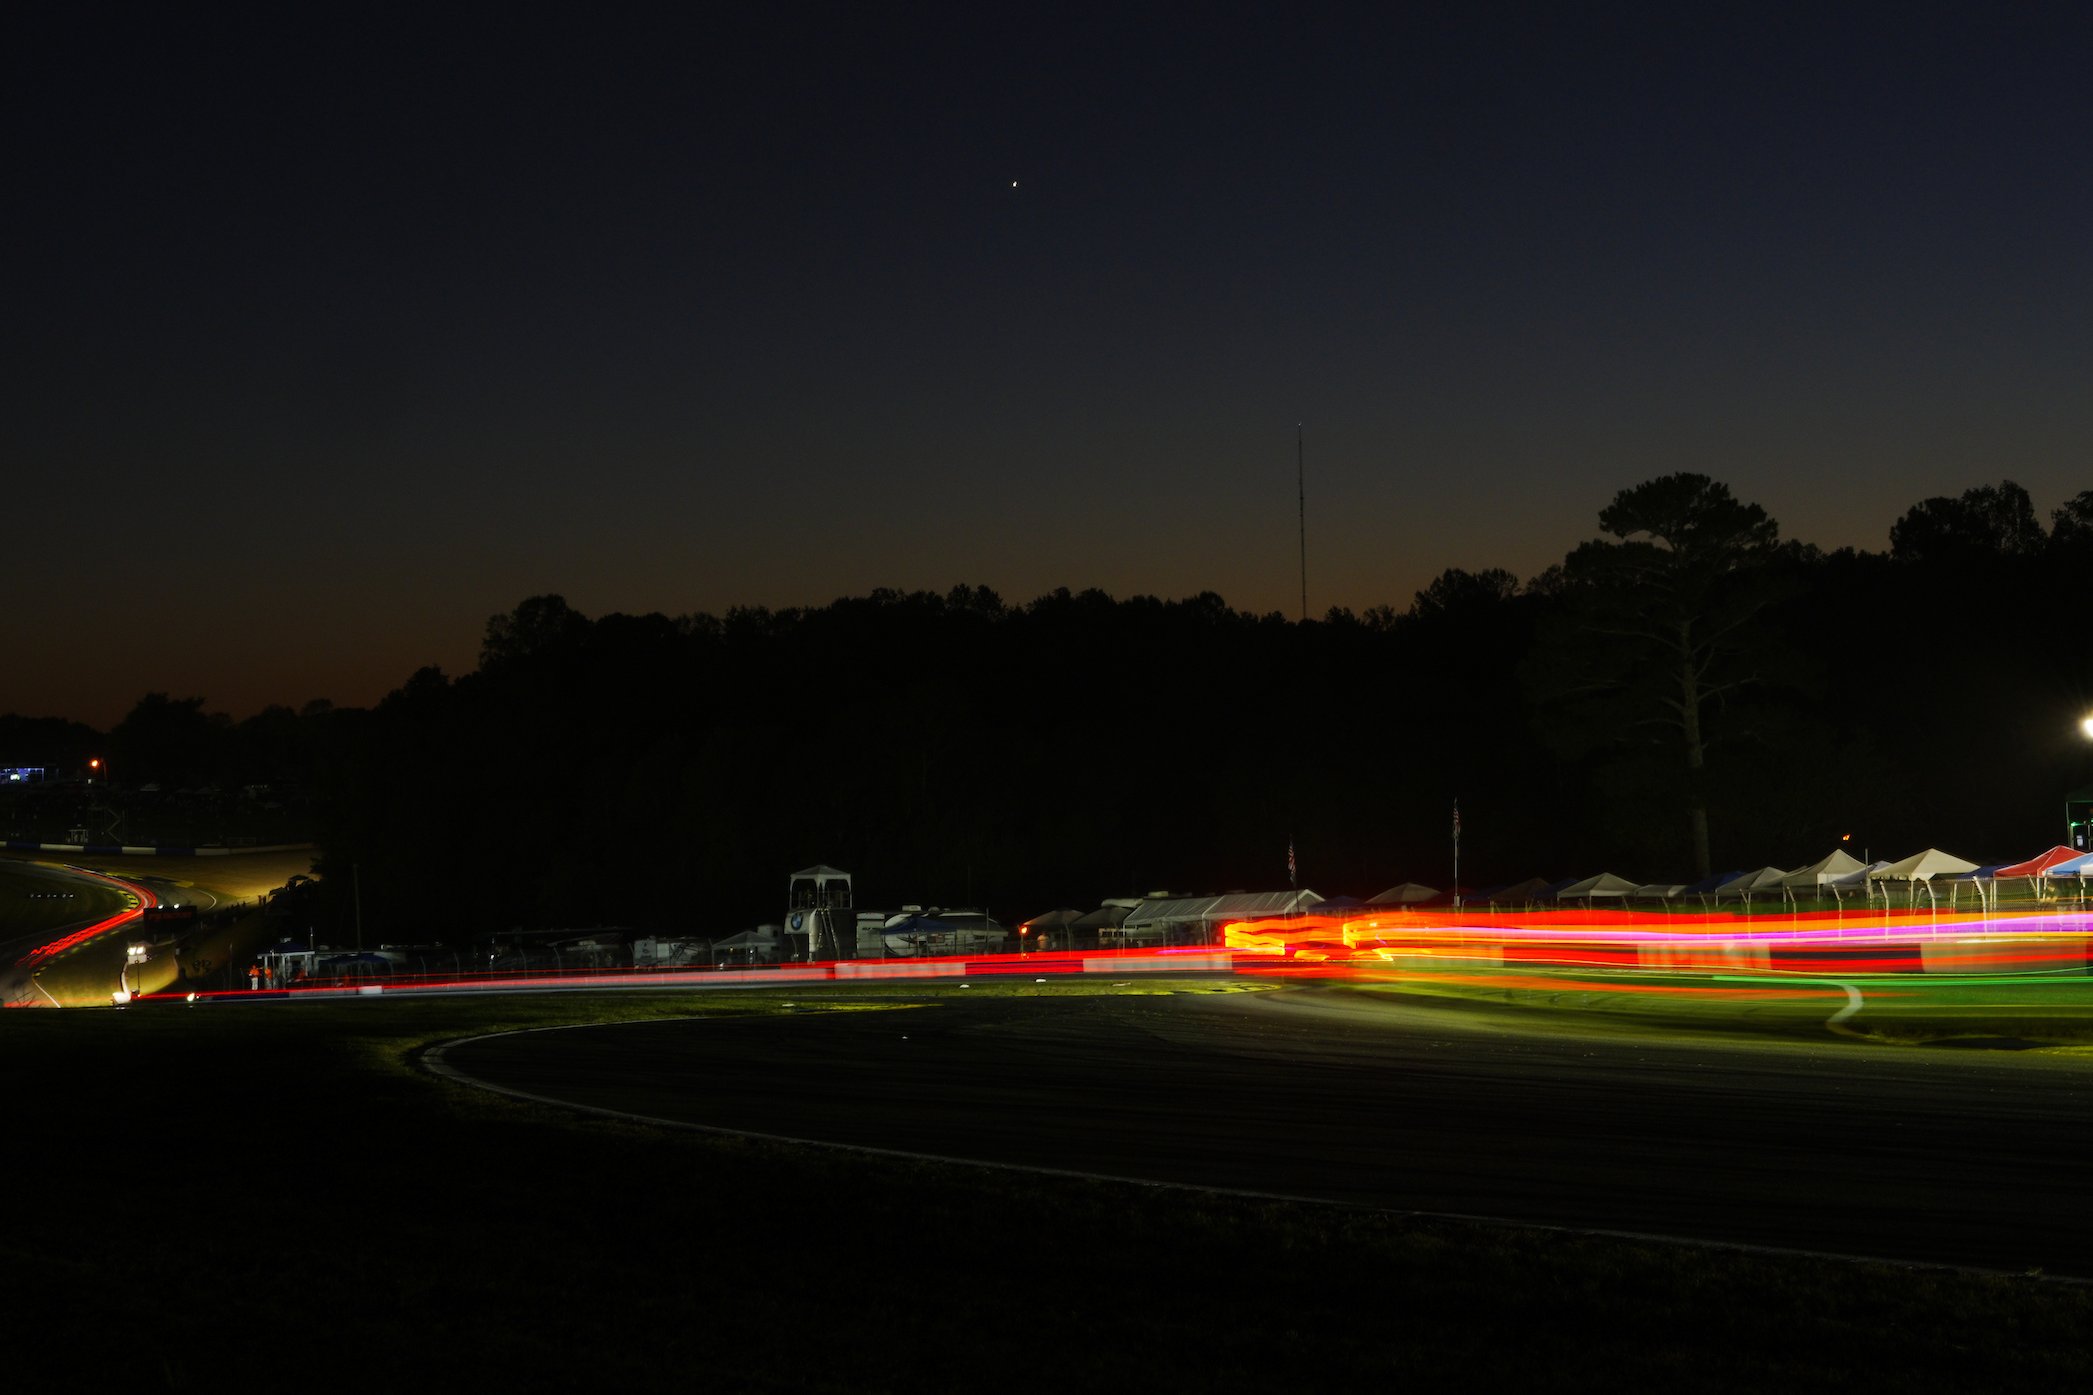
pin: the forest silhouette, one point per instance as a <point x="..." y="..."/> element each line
<point x="1687" y="691"/>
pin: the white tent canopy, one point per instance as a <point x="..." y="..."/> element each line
<point x="1197" y="919"/>
<point x="1744" y="884"/>
<point x="1604" y="887"/>
<point x="1858" y="878"/>
<point x="1403" y="894"/>
<point x="1921" y="867"/>
<point x="1528" y="891"/>
<point x="1109" y="916"/>
<point x="1824" y="870"/>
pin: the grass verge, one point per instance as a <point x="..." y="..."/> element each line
<point x="1900" y="1009"/>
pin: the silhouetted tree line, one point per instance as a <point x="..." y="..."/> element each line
<point x="171" y="771"/>
<point x="1688" y="691"/>
<point x="167" y="753"/>
<point x="175" y="743"/>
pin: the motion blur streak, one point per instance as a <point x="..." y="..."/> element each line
<point x="43" y="954"/>
<point x="1762" y="958"/>
<point x="1807" y="945"/>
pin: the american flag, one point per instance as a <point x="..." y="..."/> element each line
<point x="1291" y="870"/>
<point x="1457" y="820"/>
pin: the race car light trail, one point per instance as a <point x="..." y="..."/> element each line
<point x="1727" y="956"/>
<point x="43" y="954"/>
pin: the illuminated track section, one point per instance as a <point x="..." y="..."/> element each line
<point x="23" y="987"/>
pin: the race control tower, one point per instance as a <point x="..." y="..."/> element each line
<point x="820" y="908"/>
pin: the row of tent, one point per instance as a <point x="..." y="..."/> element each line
<point x="1160" y="919"/>
<point x="1835" y="876"/>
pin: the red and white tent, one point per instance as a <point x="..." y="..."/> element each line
<point x="2037" y="866"/>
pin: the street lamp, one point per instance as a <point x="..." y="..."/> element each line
<point x="2078" y="805"/>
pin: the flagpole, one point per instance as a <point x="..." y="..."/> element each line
<point x="1457" y="854"/>
<point x="1293" y="880"/>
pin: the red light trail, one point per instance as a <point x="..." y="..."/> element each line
<point x="44" y="954"/>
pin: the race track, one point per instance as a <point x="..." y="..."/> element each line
<point x="1923" y="1154"/>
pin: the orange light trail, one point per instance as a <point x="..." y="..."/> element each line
<point x="1637" y="955"/>
<point x="1810" y="945"/>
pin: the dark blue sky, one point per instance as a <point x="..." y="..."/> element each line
<point x="327" y="339"/>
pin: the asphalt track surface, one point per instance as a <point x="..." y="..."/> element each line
<point x="1918" y="1154"/>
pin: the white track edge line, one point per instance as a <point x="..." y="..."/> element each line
<point x="433" y="1061"/>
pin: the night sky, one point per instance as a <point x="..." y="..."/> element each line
<point x="327" y="339"/>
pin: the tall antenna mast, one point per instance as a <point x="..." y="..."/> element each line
<point x="1301" y="483"/>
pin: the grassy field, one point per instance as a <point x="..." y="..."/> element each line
<point x="37" y="906"/>
<point x="244" y="1197"/>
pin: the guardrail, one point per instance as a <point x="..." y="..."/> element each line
<point x="1193" y="960"/>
